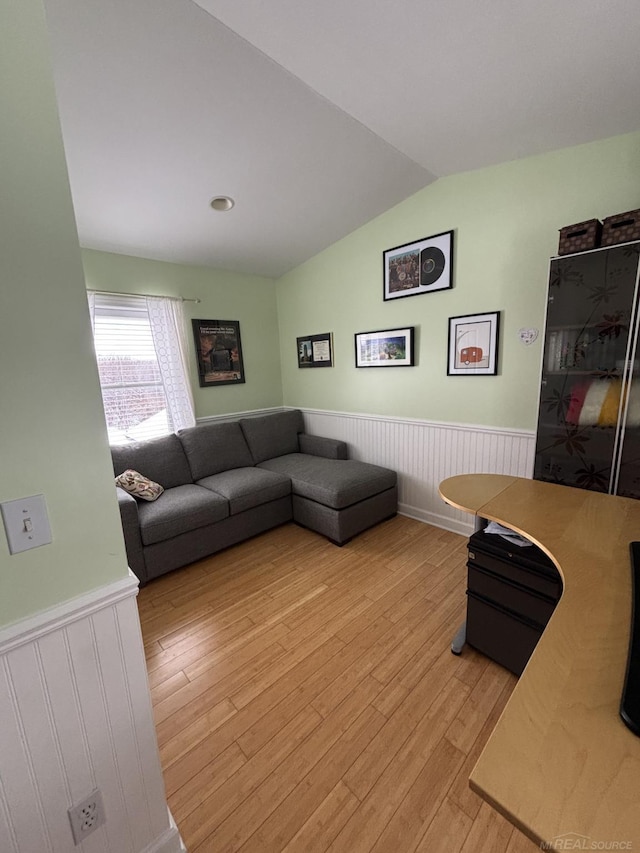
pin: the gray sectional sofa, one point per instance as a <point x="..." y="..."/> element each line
<point x="224" y="482"/>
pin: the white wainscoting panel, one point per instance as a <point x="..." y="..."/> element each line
<point x="426" y="452"/>
<point x="75" y="715"/>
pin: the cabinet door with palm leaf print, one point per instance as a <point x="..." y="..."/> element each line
<point x="587" y="366"/>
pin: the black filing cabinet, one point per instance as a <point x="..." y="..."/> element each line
<point x="511" y="593"/>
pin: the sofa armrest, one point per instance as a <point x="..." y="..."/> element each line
<point x="331" y="448"/>
<point x="128" y="507"/>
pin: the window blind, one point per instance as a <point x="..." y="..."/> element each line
<point x="133" y="394"/>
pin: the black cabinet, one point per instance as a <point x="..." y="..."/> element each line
<point x="588" y="433"/>
<point x="511" y="594"/>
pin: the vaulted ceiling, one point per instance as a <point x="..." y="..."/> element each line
<point x="315" y="116"/>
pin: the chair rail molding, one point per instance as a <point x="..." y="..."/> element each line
<point x="234" y="416"/>
<point x="426" y="452"/>
<point x="76" y="715"/>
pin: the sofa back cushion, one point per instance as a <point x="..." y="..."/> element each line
<point x="274" y="435"/>
<point x="216" y="447"/>
<point x="159" y="459"/>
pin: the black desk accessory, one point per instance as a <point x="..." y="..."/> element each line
<point x="630" y="703"/>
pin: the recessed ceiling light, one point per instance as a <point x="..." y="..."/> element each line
<point x="222" y="203"/>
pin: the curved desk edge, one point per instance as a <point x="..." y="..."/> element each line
<point x="470" y="492"/>
<point x="560" y="762"/>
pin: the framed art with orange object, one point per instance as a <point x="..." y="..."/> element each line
<point x="473" y="344"/>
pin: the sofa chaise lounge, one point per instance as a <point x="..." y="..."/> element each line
<point x="225" y="482"/>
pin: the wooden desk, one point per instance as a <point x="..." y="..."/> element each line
<point x="560" y="761"/>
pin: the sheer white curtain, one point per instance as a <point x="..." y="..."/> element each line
<point x="91" y="299"/>
<point x="167" y="329"/>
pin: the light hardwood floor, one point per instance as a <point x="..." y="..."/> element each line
<point x="306" y="698"/>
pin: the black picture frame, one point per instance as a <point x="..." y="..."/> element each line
<point x="422" y="266"/>
<point x="472" y="346"/>
<point x="218" y="352"/>
<point x="315" y="350"/>
<point x="385" y="348"/>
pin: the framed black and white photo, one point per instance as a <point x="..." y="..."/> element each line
<point x="388" y="348"/>
<point x="315" y="350"/>
<point x="218" y="352"/>
<point x="473" y="344"/>
<point x="420" y="267"/>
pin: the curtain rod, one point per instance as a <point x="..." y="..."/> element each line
<point x="155" y="295"/>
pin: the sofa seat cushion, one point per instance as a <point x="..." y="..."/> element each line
<point x="180" y="510"/>
<point x="335" y="483"/>
<point x="246" y="488"/>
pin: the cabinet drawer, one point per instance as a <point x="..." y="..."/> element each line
<point x="515" y="567"/>
<point x="499" y="634"/>
<point x="511" y="595"/>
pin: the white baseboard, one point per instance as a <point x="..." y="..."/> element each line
<point x="464" y="528"/>
<point x="169" y="842"/>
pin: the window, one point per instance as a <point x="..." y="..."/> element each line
<point x="139" y="390"/>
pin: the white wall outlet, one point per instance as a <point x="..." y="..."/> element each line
<point x="85" y="817"/>
<point x="26" y="523"/>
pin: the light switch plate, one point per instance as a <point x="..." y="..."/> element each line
<point x="26" y="523"/>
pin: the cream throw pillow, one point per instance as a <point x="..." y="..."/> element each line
<point x="139" y="486"/>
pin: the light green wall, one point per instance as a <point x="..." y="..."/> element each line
<point x="225" y="296"/>
<point x="506" y="220"/>
<point x="53" y="434"/>
<point x="53" y="437"/>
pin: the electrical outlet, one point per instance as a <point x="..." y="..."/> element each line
<point x="86" y="816"/>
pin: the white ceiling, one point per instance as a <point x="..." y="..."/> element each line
<point x="316" y="116"/>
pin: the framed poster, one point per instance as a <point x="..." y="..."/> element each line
<point x="315" y="350"/>
<point x="420" y="267"/>
<point x="388" y="348"/>
<point x="473" y="345"/>
<point x="218" y="352"/>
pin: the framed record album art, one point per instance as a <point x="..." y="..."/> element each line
<point x="420" y="267"/>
